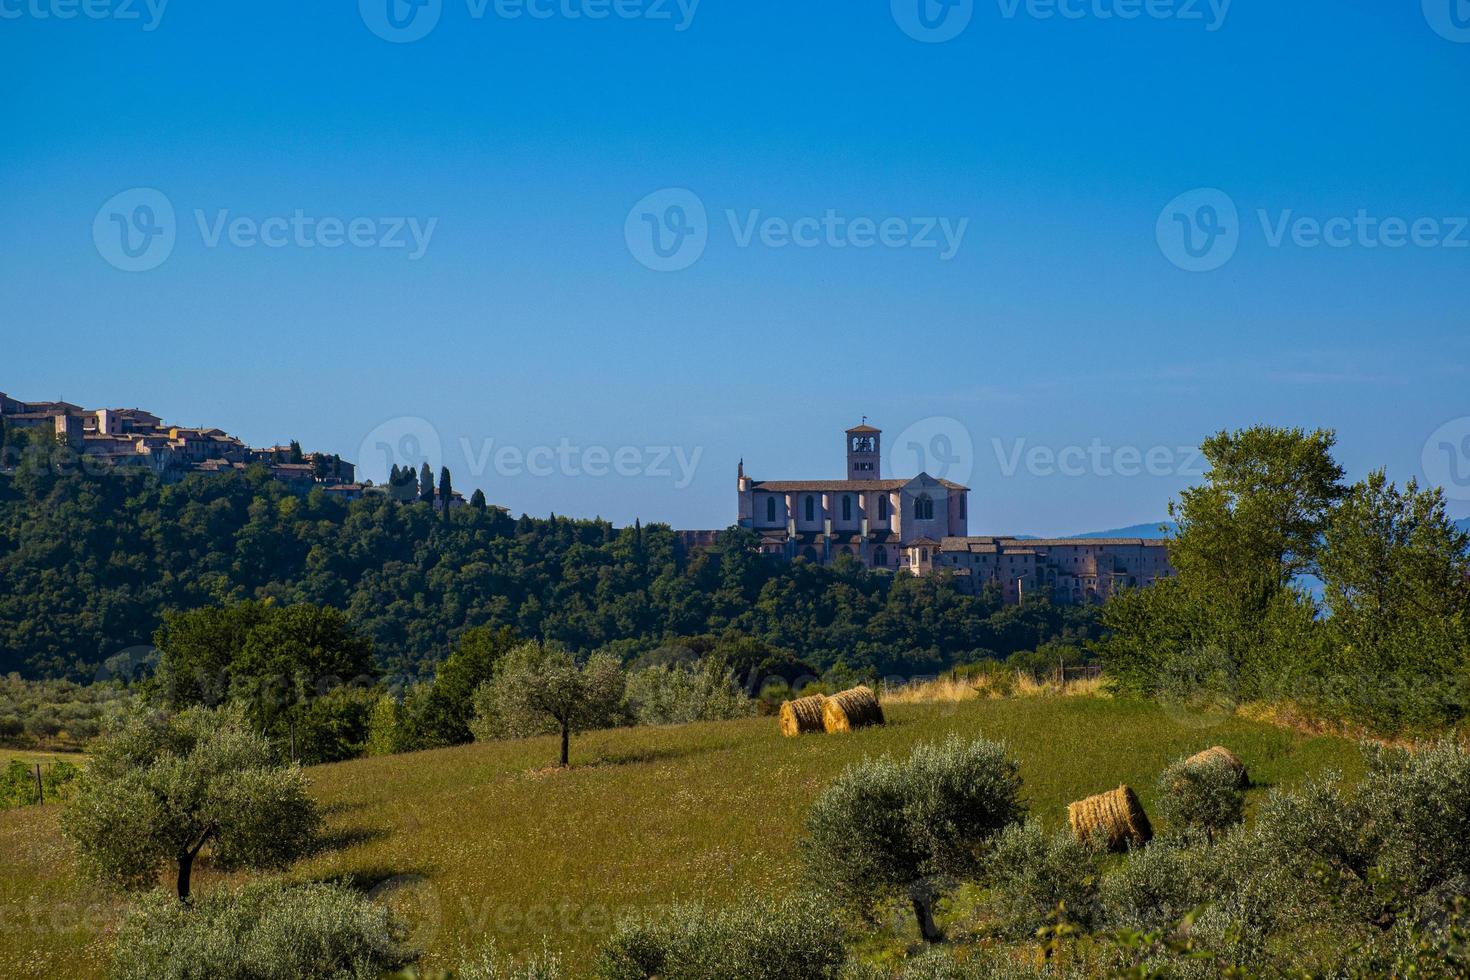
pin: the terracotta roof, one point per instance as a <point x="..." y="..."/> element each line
<point x="864" y="428"/>
<point x="822" y="486"/>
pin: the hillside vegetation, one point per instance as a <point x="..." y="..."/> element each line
<point x="485" y="841"/>
<point x="89" y="564"/>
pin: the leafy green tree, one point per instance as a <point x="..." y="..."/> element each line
<point x="282" y="664"/>
<point x="442" y="713"/>
<point x="886" y="829"/>
<point x="1233" y="624"/>
<point x="477" y="500"/>
<point x="163" y="788"/>
<point x="1396" y="572"/>
<point x="538" y="688"/>
<point x="426" y="484"/>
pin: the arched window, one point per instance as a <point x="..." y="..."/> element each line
<point x="880" y="555"/>
<point x="924" y="508"/>
<point x="770" y="510"/>
<point x="883" y="507"/>
<point x="846" y="507"/>
<point x="811" y="509"/>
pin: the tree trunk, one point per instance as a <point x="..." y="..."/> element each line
<point x="186" y="867"/>
<point x="924" y="912"/>
<point x="566" y="744"/>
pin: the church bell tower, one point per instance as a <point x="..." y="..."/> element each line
<point x="863" y="448"/>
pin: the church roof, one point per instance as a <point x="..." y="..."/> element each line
<point x="826" y="486"/>
<point x="864" y="428"/>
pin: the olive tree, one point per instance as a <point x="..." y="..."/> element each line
<point x="885" y="829"/>
<point x="162" y="788"/>
<point x="539" y="688"/>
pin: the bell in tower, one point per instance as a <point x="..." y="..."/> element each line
<point x="863" y="449"/>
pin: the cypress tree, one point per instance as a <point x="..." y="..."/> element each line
<point x="426" y="484"/>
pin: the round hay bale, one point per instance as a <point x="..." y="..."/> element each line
<point x="802" y="716"/>
<point x="857" y="708"/>
<point x="1219" y="753"/>
<point x="1118" y="815"/>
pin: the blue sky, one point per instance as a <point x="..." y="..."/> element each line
<point x="1062" y="327"/>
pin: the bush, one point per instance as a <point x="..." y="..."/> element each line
<point x="489" y="965"/>
<point x="1201" y="797"/>
<point x="885" y="829"/>
<point x="793" y="940"/>
<point x="1418" y="805"/>
<point x="1032" y="873"/>
<point x="676" y="694"/>
<point x="1154" y="887"/>
<point x="263" y="932"/>
<point x="334" y="726"/>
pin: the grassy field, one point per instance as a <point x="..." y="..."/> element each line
<point x="482" y="842"/>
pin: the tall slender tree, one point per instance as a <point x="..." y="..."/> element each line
<point x="426" y="483"/>
<point x="446" y="490"/>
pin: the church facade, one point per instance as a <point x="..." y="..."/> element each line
<point x="883" y="523"/>
<point x="920" y="525"/>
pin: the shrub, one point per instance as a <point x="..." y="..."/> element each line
<point x="1418" y="806"/>
<point x="1154" y="887"/>
<point x="159" y="790"/>
<point x="1032" y="872"/>
<point x="489" y="965"/>
<point x="263" y="932"/>
<point x="885" y="829"/>
<point x="672" y="695"/>
<point x="792" y="940"/>
<point x="1200" y="797"/>
<point x="334" y="726"/>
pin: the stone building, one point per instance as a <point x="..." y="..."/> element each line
<point x="919" y="525"/>
<point x="865" y="517"/>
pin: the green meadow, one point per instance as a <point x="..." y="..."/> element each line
<point x="485" y="842"/>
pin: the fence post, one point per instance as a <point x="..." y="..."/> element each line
<point x="40" y="787"/>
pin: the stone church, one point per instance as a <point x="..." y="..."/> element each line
<point x="883" y="523"/>
<point x="920" y="525"/>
